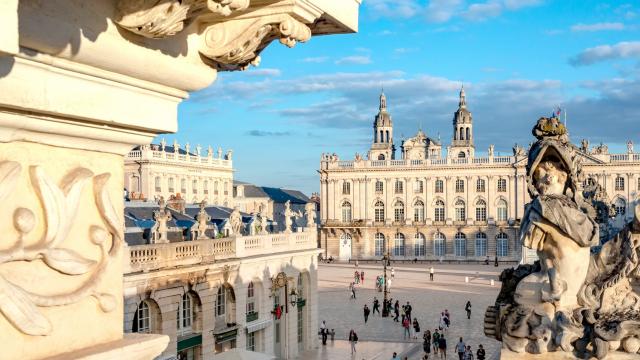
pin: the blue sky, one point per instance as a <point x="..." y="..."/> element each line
<point x="517" y="59"/>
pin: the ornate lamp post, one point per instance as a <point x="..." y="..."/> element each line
<point x="279" y="281"/>
<point x="385" y="262"/>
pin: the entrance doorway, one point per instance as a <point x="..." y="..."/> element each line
<point x="345" y="246"/>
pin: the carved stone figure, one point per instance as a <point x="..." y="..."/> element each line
<point x="490" y="152"/>
<point x="161" y="217"/>
<point x="358" y="157"/>
<point x="219" y="153"/>
<point x="584" y="145"/>
<point x="630" y="147"/>
<point x="198" y="149"/>
<point x="163" y="144"/>
<point x="601" y="149"/>
<point x="310" y="214"/>
<point x="203" y="218"/>
<point x="176" y="147"/>
<point x="187" y="148"/>
<point x="288" y="214"/>
<point x="235" y="218"/>
<point x="518" y="151"/>
<point x="262" y="215"/>
<point x="229" y="155"/>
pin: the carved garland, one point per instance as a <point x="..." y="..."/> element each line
<point x="60" y="205"/>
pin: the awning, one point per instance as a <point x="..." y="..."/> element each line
<point x="258" y="325"/>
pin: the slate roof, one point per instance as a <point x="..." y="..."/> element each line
<point x="282" y="195"/>
<point x="168" y="149"/>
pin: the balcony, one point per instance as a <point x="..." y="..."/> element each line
<point x="252" y="316"/>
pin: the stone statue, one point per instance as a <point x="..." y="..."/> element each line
<point x="288" y="214"/>
<point x="209" y="151"/>
<point x="176" y="147"/>
<point x="601" y="149"/>
<point x="584" y="145"/>
<point x="161" y="216"/>
<point x="187" y="147"/>
<point x="235" y="219"/>
<point x="518" y="150"/>
<point x="310" y="214"/>
<point x="229" y="155"/>
<point x="358" y="157"/>
<point x="490" y="152"/>
<point x="219" y="152"/>
<point x="163" y="144"/>
<point x="198" y="149"/>
<point x="630" y="147"/>
<point x="570" y="300"/>
<point x="262" y="215"/>
<point x="203" y="218"/>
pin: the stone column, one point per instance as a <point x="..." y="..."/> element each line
<point x="331" y="215"/>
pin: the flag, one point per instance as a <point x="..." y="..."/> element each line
<point x="558" y="111"/>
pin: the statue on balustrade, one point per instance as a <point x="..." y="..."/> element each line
<point x="288" y="215"/>
<point x="310" y="214"/>
<point x="262" y="217"/>
<point x="571" y="300"/>
<point x="161" y="216"/>
<point x="235" y="219"/>
<point x="203" y="219"/>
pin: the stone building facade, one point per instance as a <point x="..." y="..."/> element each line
<point x="161" y="170"/>
<point x="453" y="206"/>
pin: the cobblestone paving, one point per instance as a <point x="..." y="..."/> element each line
<point x="369" y="350"/>
<point x="428" y="298"/>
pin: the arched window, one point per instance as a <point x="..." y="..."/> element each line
<point x="468" y="133"/>
<point x="461" y="137"/>
<point x="143" y="318"/>
<point x="388" y="137"/>
<point x="346" y="188"/>
<point x="460" y="244"/>
<point x="251" y="305"/>
<point x="221" y="301"/>
<point x="619" y="183"/>
<point x="398" y="211"/>
<point x="378" y="210"/>
<point x="379" y="244"/>
<point x="502" y="185"/>
<point x="502" y="245"/>
<point x="172" y="188"/>
<point x="185" y="314"/>
<point x="503" y="212"/>
<point x="638" y="184"/>
<point x="205" y="186"/>
<point x="459" y="186"/>
<point x="418" y="211"/>
<point x="439" y="211"/>
<point x="183" y="186"/>
<point x="346" y="212"/>
<point x="381" y="157"/>
<point x="480" y="185"/>
<point x="439" y="245"/>
<point x="399" y="187"/>
<point x="398" y="246"/>
<point x="379" y="186"/>
<point x="461" y="155"/>
<point x="620" y="205"/>
<point x="194" y="186"/>
<point x="481" y="210"/>
<point x="419" y="245"/>
<point x="481" y="244"/>
<point x="158" y="184"/>
<point x="460" y="210"/>
<point x="439" y="186"/>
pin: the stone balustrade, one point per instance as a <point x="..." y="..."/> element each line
<point x="178" y="158"/>
<point x="157" y="256"/>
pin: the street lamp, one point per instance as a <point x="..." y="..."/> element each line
<point x="385" y="262"/>
<point x="294" y="297"/>
<point x="282" y="281"/>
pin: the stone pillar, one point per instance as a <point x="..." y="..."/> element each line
<point x="332" y="200"/>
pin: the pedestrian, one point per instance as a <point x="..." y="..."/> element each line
<point x="353" y="339"/>
<point x="393" y="272"/>
<point x="468" y="309"/>
<point x="426" y="345"/>
<point x="448" y="319"/>
<point x="333" y="335"/>
<point x="403" y="314"/>
<point x="356" y="263"/>
<point x="376" y="305"/>
<point x="468" y="353"/>
<point x="442" y="347"/>
<point x="394" y="356"/>
<point x="461" y="348"/>
<point x="389" y="285"/>
<point x="356" y="277"/>
<point x="362" y="277"/>
<point x="323" y="332"/>
<point x="353" y="291"/>
<point x="407" y="328"/>
<point x="366" y="313"/>
<point x="408" y="310"/>
<point x="431" y="271"/>
<point x="416" y="328"/>
<point x="396" y="310"/>
<point x="480" y="354"/>
<point x="442" y="324"/>
<point x="436" y="338"/>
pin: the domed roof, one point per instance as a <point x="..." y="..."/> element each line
<point x="383" y="118"/>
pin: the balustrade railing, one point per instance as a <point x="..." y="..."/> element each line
<point x="153" y="154"/>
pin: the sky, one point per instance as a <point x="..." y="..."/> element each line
<point x="517" y="59"/>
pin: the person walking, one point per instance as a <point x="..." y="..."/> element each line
<point x="436" y="337"/>
<point x="461" y="348"/>
<point x="468" y="353"/>
<point x="480" y="354"/>
<point x="426" y="345"/>
<point x="442" y="324"/>
<point x="407" y="328"/>
<point x="407" y="310"/>
<point x="431" y="271"/>
<point x="323" y="332"/>
<point x="356" y="277"/>
<point x="366" y="313"/>
<point x="396" y="310"/>
<point x="376" y="305"/>
<point x="468" y="309"/>
<point x="448" y="317"/>
<point x="362" y="276"/>
<point x="353" y="339"/>
<point x="416" y="328"/>
<point x="393" y="273"/>
<point x="353" y="291"/>
<point x="394" y="356"/>
<point x="403" y="314"/>
<point x="442" y="347"/>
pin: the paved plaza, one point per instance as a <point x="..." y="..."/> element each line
<point x="428" y="298"/>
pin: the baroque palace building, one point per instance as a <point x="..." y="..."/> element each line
<point x="453" y="206"/>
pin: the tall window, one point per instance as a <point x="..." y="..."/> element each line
<point x="379" y="244"/>
<point x="481" y="210"/>
<point x="418" y="211"/>
<point x="194" y="186"/>
<point x="620" y="206"/>
<point x="226" y="188"/>
<point x="418" y="186"/>
<point x="439" y="186"/>
<point x="619" y="183"/>
<point x="172" y="188"/>
<point x="346" y="212"/>
<point x="419" y="245"/>
<point x="205" y="186"/>
<point x="481" y="244"/>
<point x="398" y="246"/>
<point x="379" y="211"/>
<point x="439" y="244"/>
<point x="460" y="210"/>
<point x="183" y="186"/>
<point x="250" y="298"/>
<point x="480" y="185"/>
<point x="379" y="186"/>
<point x="502" y="185"/>
<point x="439" y="211"/>
<point x="638" y="184"/>
<point x="502" y="210"/>
<point x="215" y="187"/>
<point x="346" y="188"/>
<point x="185" y="313"/>
<point x="251" y="341"/>
<point x="158" y="184"/>
<point x="398" y="187"/>
<point x="221" y="301"/>
<point x="143" y="318"/>
<point x="459" y="185"/>
<point x="398" y="211"/>
<point x="460" y="244"/>
<point x="502" y="245"/>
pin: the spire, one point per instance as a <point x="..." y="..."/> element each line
<point x="383" y="100"/>
<point x="463" y="101"/>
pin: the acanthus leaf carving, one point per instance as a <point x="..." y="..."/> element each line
<point x="67" y="261"/>
<point x="20" y="310"/>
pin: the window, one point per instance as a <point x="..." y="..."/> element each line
<point x="251" y="341"/>
<point x="619" y="183"/>
<point x="588" y="182"/>
<point x="379" y="244"/>
<point x="183" y="186"/>
<point x="398" y="211"/>
<point x="418" y="211"/>
<point x="194" y="186"/>
<point x="439" y="186"/>
<point x="502" y="210"/>
<point x="502" y="245"/>
<point x="143" y="322"/>
<point x="158" y="185"/>
<point x="379" y="211"/>
<point x="381" y="157"/>
<point x="205" y="186"/>
<point x="480" y="185"/>
<point x="439" y="244"/>
<point x="221" y="301"/>
<point x="481" y="244"/>
<point x="481" y="210"/>
<point x="346" y="212"/>
<point x="215" y="188"/>
<point x="460" y="243"/>
<point x="460" y="210"/>
<point x="439" y="211"/>
<point x="226" y="188"/>
<point x="638" y="184"/>
<point x="502" y="185"/>
<point x="172" y="188"/>
<point x="398" y="187"/>
<point x="459" y="185"/>
<point x="185" y="313"/>
<point x="300" y="328"/>
<point x="418" y="186"/>
<point x="346" y="188"/>
<point x="419" y="245"/>
<point x="620" y="206"/>
<point x="250" y="298"/>
<point x="461" y="154"/>
<point x="379" y="186"/>
<point x="398" y="246"/>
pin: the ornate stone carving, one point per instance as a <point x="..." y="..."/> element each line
<point x="310" y="214"/>
<point x="235" y="220"/>
<point x="60" y="208"/>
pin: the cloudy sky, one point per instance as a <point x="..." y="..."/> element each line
<point x="517" y="58"/>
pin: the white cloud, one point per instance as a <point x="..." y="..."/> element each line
<point x="482" y="11"/>
<point x="442" y="10"/>
<point x="404" y="50"/>
<point x="625" y="49"/>
<point x="393" y="8"/>
<point x="598" y="27"/>
<point x="263" y="72"/>
<point x="518" y="4"/>
<point x="354" y="60"/>
<point x="317" y="59"/>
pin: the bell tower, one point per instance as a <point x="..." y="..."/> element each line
<point x="382" y="147"/>
<point x="462" y="140"/>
